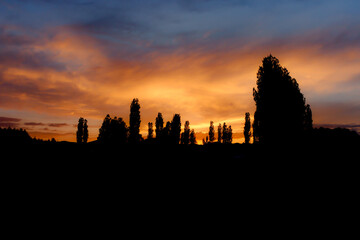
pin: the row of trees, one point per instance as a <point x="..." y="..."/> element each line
<point x="276" y="93"/>
<point x="171" y="131"/>
<point x="224" y="134"/>
<point x="114" y="130"/>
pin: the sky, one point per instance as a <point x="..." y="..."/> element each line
<point x="61" y="60"/>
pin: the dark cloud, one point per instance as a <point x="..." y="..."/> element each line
<point x="29" y="60"/>
<point x="335" y="112"/>
<point x="19" y="50"/>
<point x="111" y="25"/>
<point x="58" y="125"/>
<point x="40" y="91"/>
<point x="34" y="124"/>
<point x="15" y="39"/>
<point x="9" y="119"/>
<point x="9" y="122"/>
<point x="48" y="124"/>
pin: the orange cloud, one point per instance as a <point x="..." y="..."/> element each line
<point x="202" y="85"/>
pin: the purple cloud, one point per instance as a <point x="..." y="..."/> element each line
<point x="34" y="124"/>
<point x="9" y="122"/>
<point x="58" y="124"/>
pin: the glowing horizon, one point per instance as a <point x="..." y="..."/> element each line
<point x="198" y="59"/>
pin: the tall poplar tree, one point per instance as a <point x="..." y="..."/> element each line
<point x="150" y="131"/>
<point x="219" y="133"/>
<point x="211" y="132"/>
<point x="135" y="120"/>
<point x="192" y="137"/>
<point x="277" y="95"/>
<point x="185" y="136"/>
<point x="80" y="131"/>
<point x="247" y="126"/>
<point x="159" y="126"/>
<point x="175" y="129"/>
<point x="86" y="132"/>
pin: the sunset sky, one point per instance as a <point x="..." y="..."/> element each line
<point x="61" y="60"/>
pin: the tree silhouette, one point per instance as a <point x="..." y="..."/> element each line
<point x="165" y="135"/>
<point x="308" y="122"/>
<point x="224" y="133"/>
<point x="113" y="131"/>
<point x="86" y="132"/>
<point x="277" y="93"/>
<point x="150" y="131"/>
<point x="192" y="137"/>
<point x="104" y="131"/>
<point x="247" y="126"/>
<point x="211" y="132"/>
<point x="219" y="133"/>
<point x="135" y="121"/>
<point x="14" y="136"/>
<point x="80" y="131"/>
<point x="229" y="135"/>
<point x="175" y="129"/>
<point x="159" y="126"/>
<point x="118" y="131"/>
<point x="185" y="136"/>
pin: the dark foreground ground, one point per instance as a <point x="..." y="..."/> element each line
<point x="150" y="167"/>
<point x="65" y="155"/>
<point x="157" y="189"/>
<point x="66" y="151"/>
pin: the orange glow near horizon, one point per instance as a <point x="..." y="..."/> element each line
<point x="201" y="86"/>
